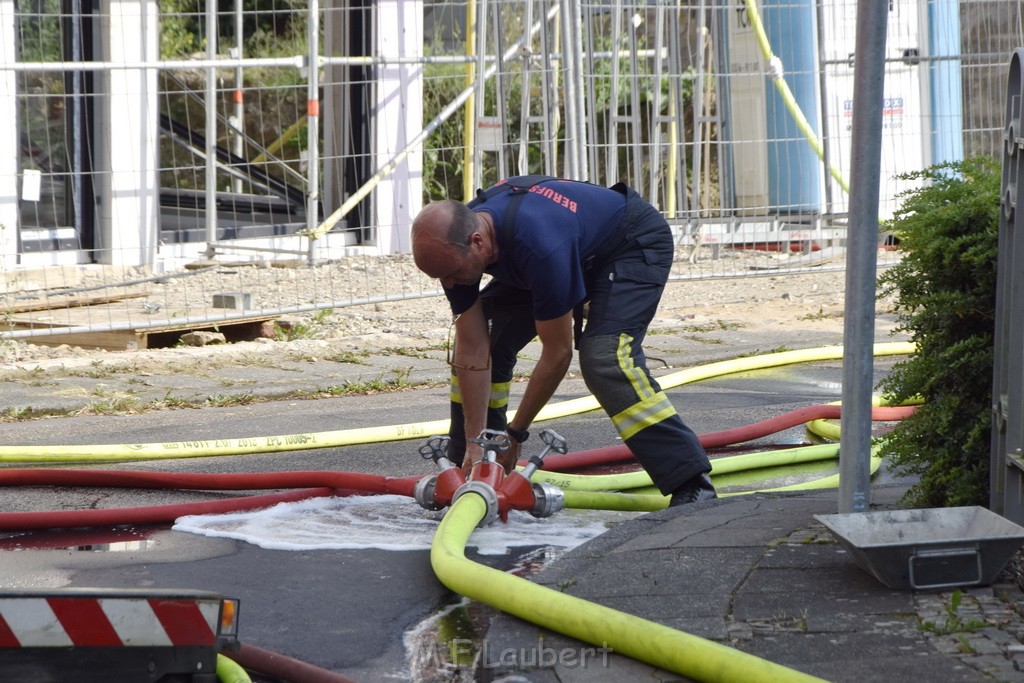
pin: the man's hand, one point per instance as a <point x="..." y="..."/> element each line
<point x="474" y="454"/>
<point x="508" y="459"/>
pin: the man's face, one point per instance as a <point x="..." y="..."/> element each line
<point x="466" y="272"/>
<point x="446" y="263"/>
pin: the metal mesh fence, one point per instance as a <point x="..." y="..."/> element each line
<point x="182" y="163"/>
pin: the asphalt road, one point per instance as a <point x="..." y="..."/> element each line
<point x="344" y="610"/>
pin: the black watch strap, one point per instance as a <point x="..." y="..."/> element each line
<point x="520" y="435"/>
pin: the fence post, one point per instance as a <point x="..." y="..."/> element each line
<point x="313" y="125"/>
<point x="9" y="142"/>
<point x="211" y="129"/>
<point x="861" y="257"/>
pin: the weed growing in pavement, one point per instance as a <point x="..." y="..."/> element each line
<point x="702" y="340"/>
<point x="227" y="382"/>
<point x="817" y="540"/>
<point x="41" y="381"/>
<point x="682" y="333"/>
<point x="173" y="402"/>
<point x="30" y="373"/>
<point x="378" y="385"/>
<point x="965" y="646"/>
<point x="258" y="360"/>
<point x="226" y="400"/>
<point x="692" y="332"/>
<point x="95" y="370"/>
<point x="954" y="621"/>
<point x="777" y="349"/>
<point x="423" y="353"/>
<point x="20" y="413"/>
<point x="822" y="315"/>
<point x="303" y="329"/>
<point x="784" y="622"/>
<point x="347" y="357"/>
<point x="88" y="373"/>
<point x="112" y="406"/>
<point x="715" y="326"/>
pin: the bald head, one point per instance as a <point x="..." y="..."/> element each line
<point x="447" y="220"/>
<point x="443" y="236"/>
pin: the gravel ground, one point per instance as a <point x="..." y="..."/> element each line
<point x="691" y="305"/>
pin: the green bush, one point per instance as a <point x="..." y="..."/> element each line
<point x="944" y="292"/>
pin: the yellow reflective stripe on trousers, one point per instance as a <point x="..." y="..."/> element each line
<point x="653" y="406"/>
<point x="647" y="412"/>
<point x="454" y="393"/>
<point x="499" y="393"/>
<point x="636" y="376"/>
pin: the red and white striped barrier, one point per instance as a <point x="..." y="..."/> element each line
<point x="108" y="622"/>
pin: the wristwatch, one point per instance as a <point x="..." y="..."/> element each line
<point x="520" y="435"/>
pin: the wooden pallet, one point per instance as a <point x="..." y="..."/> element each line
<point x="145" y="330"/>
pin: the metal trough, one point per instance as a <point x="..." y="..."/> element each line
<point x="928" y="548"/>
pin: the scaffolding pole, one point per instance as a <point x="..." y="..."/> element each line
<point x="211" y="127"/>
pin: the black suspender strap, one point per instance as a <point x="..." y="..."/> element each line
<point x="517" y="189"/>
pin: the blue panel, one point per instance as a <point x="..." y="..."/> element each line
<point x="947" y="142"/>
<point x="793" y="167"/>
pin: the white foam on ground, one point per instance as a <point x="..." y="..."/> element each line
<point x="390" y="523"/>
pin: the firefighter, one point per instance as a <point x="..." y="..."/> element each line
<point x="558" y="251"/>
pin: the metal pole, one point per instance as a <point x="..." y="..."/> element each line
<point x="826" y="144"/>
<point x="566" y="17"/>
<point x="611" y="160"/>
<point x="549" y="94"/>
<point x="469" y="113"/>
<point x="239" y="94"/>
<point x="593" y="151"/>
<point x="583" y="169"/>
<point x="635" y="132"/>
<point x="575" y="108"/>
<point x="500" y="82"/>
<point x="481" y="91"/>
<point x="861" y="256"/>
<point x="313" y="124"/>
<point x="77" y="122"/>
<point x="703" y="33"/>
<point x="655" y="168"/>
<point x="211" y="127"/>
<point x="523" y="160"/>
<point x="675" y="183"/>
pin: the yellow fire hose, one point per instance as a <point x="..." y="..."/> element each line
<point x="644" y="640"/>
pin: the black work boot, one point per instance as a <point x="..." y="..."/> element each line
<point x="695" y="490"/>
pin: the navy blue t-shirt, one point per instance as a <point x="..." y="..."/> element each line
<point x="558" y="225"/>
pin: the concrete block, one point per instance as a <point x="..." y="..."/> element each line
<point x="239" y="301"/>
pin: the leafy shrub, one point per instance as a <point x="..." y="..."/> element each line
<point x="944" y="289"/>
